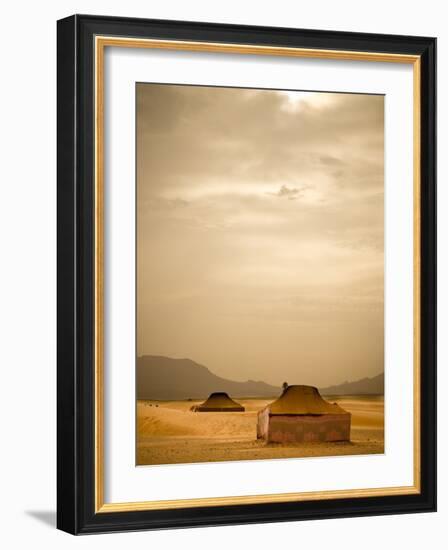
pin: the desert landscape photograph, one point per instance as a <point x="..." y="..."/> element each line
<point x="259" y="275"/>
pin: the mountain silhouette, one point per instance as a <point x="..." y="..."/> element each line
<point x="364" y="386"/>
<point x="166" y="378"/>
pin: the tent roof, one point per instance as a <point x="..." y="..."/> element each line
<point x="303" y="400"/>
<point x="219" y="400"/>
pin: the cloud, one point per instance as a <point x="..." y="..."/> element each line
<point x="162" y="203"/>
<point x="227" y="238"/>
<point x="291" y="193"/>
<point x="248" y="137"/>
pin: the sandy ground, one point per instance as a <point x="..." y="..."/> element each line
<point x="169" y="433"/>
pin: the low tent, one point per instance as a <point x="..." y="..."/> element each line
<point x="218" y="402"/>
<point x="300" y="414"/>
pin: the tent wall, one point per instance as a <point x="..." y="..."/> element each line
<point x="303" y="428"/>
<point x="263" y="424"/>
<point x="199" y="408"/>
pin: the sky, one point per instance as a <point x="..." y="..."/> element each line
<point x="260" y="231"/>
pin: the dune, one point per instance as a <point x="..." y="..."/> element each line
<point x="367" y="413"/>
<point x="176" y="419"/>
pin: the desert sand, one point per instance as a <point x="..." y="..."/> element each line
<point x="169" y="433"/>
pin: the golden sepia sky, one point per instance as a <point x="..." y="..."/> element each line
<point x="260" y="231"/>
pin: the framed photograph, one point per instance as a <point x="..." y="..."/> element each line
<point x="246" y="274"/>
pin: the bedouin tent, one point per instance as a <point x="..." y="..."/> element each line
<point x="218" y="402"/>
<point x="300" y="414"/>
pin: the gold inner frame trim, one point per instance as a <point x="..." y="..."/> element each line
<point x="101" y="42"/>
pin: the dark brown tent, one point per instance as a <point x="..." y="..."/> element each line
<point x="218" y="402"/>
<point x="301" y="414"/>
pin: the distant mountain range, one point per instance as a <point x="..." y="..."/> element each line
<point x="162" y="378"/>
<point x="165" y="378"/>
<point x="370" y="386"/>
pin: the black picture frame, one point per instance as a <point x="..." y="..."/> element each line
<point x="76" y="512"/>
